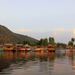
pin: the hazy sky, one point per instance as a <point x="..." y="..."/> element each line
<point x="40" y="18"/>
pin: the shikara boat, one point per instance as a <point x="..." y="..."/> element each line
<point x="51" y="48"/>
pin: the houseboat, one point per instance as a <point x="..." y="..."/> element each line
<point x="68" y="48"/>
<point x="51" y="48"/>
<point x="44" y="50"/>
<point x="39" y="48"/>
<point x="19" y="47"/>
<point x="8" y="47"/>
<point x="27" y="47"/>
<point x="73" y="49"/>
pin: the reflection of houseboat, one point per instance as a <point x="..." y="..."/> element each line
<point x="39" y="48"/>
<point x="51" y="48"/>
<point x="8" y="47"/>
<point x="19" y="47"/>
<point x="68" y="48"/>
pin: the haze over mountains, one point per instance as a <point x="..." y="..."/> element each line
<point x="7" y="36"/>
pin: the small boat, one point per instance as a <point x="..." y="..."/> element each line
<point x="51" y="48"/>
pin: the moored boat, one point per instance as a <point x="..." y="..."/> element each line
<point x="68" y="48"/>
<point x="8" y="47"/>
<point x="51" y="48"/>
<point x="39" y="48"/>
<point x="44" y="50"/>
<point x="27" y="47"/>
<point x="19" y="47"/>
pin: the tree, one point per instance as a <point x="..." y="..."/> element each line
<point x="45" y="42"/>
<point x="58" y="44"/>
<point x="72" y="39"/>
<point x="19" y="42"/>
<point x="70" y="43"/>
<point x="26" y="42"/>
<point x="51" y="41"/>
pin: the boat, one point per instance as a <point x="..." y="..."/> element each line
<point x="51" y="48"/>
<point x="68" y="48"/>
<point x="39" y="48"/>
<point x="8" y="47"/>
<point x="44" y="50"/>
<point x="27" y="47"/>
<point x="19" y="47"/>
<point x="61" y="50"/>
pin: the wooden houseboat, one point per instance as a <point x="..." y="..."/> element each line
<point x="73" y="49"/>
<point x="39" y="48"/>
<point x="19" y="47"/>
<point x="68" y="48"/>
<point x="51" y="48"/>
<point x="8" y="47"/>
<point x="27" y="47"/>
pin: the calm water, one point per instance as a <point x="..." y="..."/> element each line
<point x="36" y="63"/>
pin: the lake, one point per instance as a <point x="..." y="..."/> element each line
<point x="37" y="63"/>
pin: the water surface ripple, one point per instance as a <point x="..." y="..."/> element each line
<point x="37" y="63"/>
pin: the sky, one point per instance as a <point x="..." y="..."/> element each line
<point x="40" y="18"/>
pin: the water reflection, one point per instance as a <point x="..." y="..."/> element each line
<point x="48" y="63"/>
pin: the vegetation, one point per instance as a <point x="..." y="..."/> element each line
<point x="51" y="41"/>
<point x="71" y="43"/>
<point x="24" y="42"/>
<point x="60" y="45"/>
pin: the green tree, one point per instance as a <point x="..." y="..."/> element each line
<point x="26" y="42"/>
<point x="72" y="39"/>
<point x="70" y="43"/>
<point x="51" y="41"/>
<point x="19" y="42"/>
<point x="45" y="42"/>
<point x="58" y="44"/>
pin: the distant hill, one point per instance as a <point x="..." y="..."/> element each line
<point x="7" y="36"/>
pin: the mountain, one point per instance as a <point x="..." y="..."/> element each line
<point x="7" y="36"/>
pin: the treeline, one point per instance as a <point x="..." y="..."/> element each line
<point x="45" y="42"/>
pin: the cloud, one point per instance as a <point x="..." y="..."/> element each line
<point x="74" y="31"/>
<point x="22" y="30"/>
<point x="57" y="31"/>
